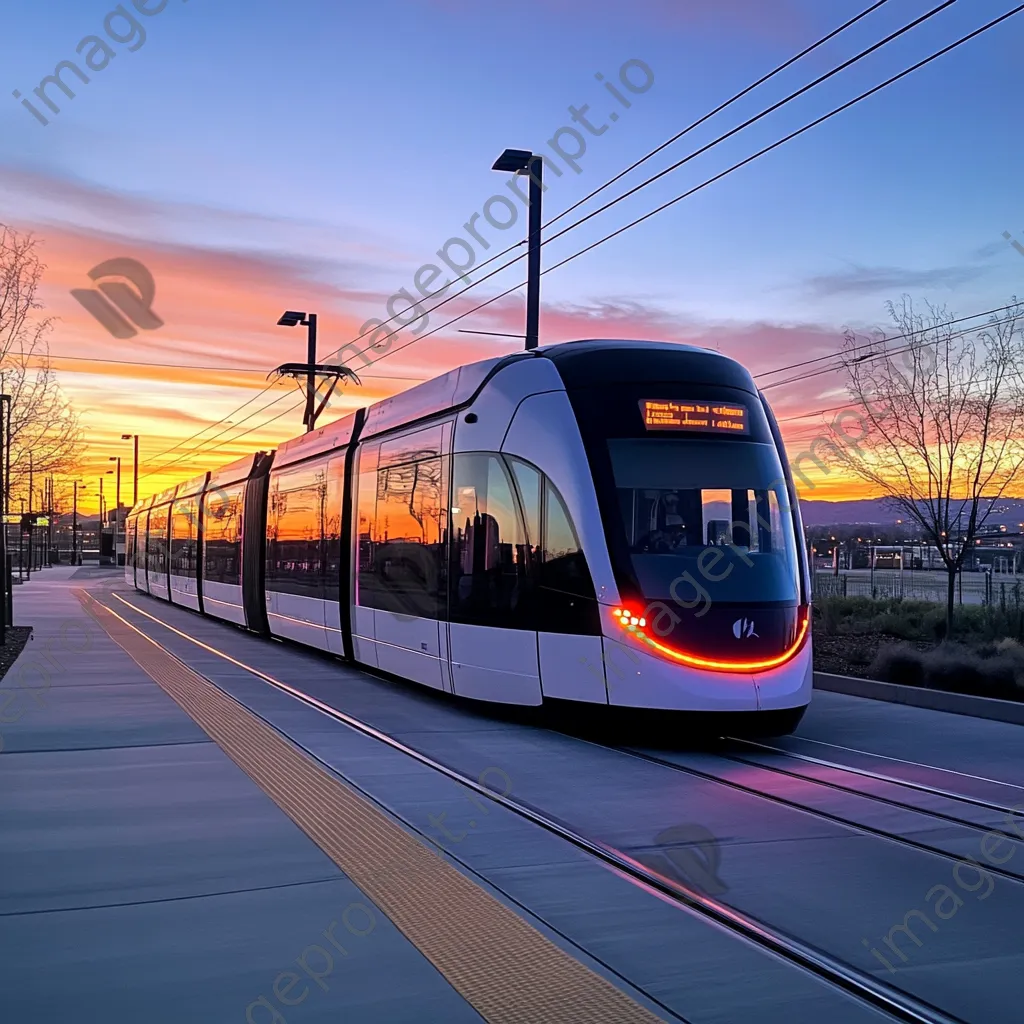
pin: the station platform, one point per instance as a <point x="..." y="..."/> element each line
<point x="197" y="824"/>
<point x="160" y="865"/>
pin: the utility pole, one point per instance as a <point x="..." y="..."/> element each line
<point x="523" y="161"/>
<point x="4" y="573"/>
<point x="293" y="318"/>
<point x="100" y="537"/>
<point x="311" y="376"/>
<point x="533" y="255"/>
<point x="135" y="466"/>
<point x="7" y="459"/>
<point x="74" y="526"/>
<point x="49" y="526"/>
<point x="5" y="491"/>
<point x="117" y="506"/>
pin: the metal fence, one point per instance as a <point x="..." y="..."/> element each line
<point x="980" y="588"/>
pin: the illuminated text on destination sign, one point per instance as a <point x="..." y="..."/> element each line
<point x="687" y="415"/>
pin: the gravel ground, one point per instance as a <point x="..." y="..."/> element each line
<point x="17" y="637"/>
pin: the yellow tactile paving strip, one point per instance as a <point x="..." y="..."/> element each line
<point x="502" y="966"/>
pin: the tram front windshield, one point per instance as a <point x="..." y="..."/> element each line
<point x="716" y="512"/>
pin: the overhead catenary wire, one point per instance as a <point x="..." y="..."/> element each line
<point x="748" y="160"/>
<point x="735" y="98"/>
<point x="188" y="366"/>
<point x="839" y="366"/>
<point x="760" y="153"/>
<point x="721" y="107"/>
<point x="842" y="362"/>
<point x="668" y="170"/>
<point x="704" y="184"/>
<point x="881" y="341"/>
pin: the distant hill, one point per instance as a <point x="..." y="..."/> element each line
<point x="1009" y="513"/>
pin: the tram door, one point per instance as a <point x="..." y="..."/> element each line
<point x="133" y="549"/>
<point x="492" y="639"/>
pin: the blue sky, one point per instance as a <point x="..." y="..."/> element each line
<point x="338" y="146"/>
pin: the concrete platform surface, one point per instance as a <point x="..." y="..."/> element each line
<point x="146" y="878"/>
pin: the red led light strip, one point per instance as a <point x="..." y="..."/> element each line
<point x="635" y="624"/>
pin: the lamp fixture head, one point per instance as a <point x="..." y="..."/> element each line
<point x="515" y="160"/>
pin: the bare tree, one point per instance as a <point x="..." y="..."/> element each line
<point x="940" y="416"/>
<point x="42" y="420"/>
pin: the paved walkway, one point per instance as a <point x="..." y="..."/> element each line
<point x="147" y="879"/>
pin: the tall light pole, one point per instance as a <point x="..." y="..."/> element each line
<point x="74" y="525"/>
<point x="100" y="536"/>
<point x="49" y="522"/>
<point x="522" y="161"/>
<point x="7" y="457"/>
<point x="135" y="466"/>
<point x="4" y="575"/>
<point x="292" y="319"/>
<point x="117" y="459"/>
<point x="117" y="505"/>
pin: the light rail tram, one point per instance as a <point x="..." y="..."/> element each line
<point x="605" y="522"/>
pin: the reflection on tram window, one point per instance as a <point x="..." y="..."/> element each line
<point x="156" y="548"/>
<point x="184" y="536"/>
<point x="529" y="481"/>
<point x="303" y="523"/>
<point x="401" y="538"/>
<point x="222" y="535"/>
<point x="568" y="602"/>
<point x="490" y="561"/>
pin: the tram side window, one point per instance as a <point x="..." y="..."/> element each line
<point x="402" y="544"/>
<point x="184" y="537"/>
<point x="491" y="582"/>
<point x="156" y="548"/>
<point x="129" y="539"/>
<point x="297" y="529"/>
<point x="222" y="535"/>
<point x="530" y="482"/>
<point x="568" y="602"/>
<point x="332" y="526"/>
<point x="142" y="541"/>
<point x="365" y="518"/>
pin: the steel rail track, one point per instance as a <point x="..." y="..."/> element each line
<point x="898" y="1004"/>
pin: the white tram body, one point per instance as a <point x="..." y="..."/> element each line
<point x="606" y="522"/>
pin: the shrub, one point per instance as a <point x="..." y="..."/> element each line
<point x="898" y="663"/>
<point x="916" y="620"/>
<point x="992" y="670"/>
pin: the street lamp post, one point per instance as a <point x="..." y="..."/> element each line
<point x="99" y="538"/>
<point x="522" y="161"/>
<point x="76" y="555"/>
<point x="135" y="466"/>
<point x="49" y="525"/>
<point x="117" y="506"/>
<point x="292" y="319"/>
<point x="4" y="574"/>
<point x="7" y="458"/>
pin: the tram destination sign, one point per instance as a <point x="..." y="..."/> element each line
<point x="683" y="414"/>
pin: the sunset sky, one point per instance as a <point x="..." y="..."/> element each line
<point x="258" y="156"/>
